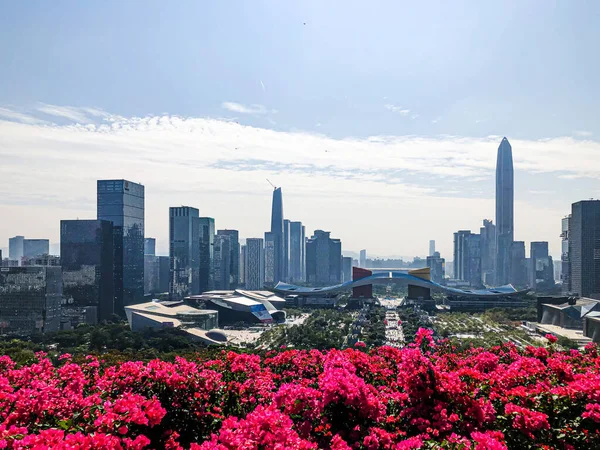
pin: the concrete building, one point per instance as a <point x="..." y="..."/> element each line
<point x="234" y="258"/>
<point x="584" y="248"/>
<point x="570" y="314"/>
<point x="254" y="264"/>
<point x="431" y="247"/>
<point x="346" y="268"/>
<point x="504" y="211"/>
<point x="488" y="252"/>
<point x="184" y="252"/>
<point x="122" y="203"/>
<point x="35" y="247"/>
<point x="323" y="259"/>
<point x="41" y="260"/>
<point x="15" y="248"/>
<point x="30" y="299"/>
<point x="467" y="257"/>
<point x="270" y="258"/>
<point x="207" y="240"/>
<point x="150" y="246"/>
<point x="362" y="262"/>
<point x="437" y="266"/>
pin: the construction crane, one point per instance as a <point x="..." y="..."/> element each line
<point x="274" y="187"/>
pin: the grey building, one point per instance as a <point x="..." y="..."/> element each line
<point x="277" y="237"/>
<point x="35" y="247"/>
<point x="242" y="265"/>
<point x="184" y="252"/>
<point x="150" y="246"/>
<point x="30" y="299"/>
<point x="15" y="248"/>
<point x="222" y="262"/>
<point x="584" y="248"/>
<point x="270" y="258"/>
<point x="504" y="211"/>
<point x="362" y="261"/>
<point x="41" y="260"/>
<point x="254" y="264"/>
<point x="323" y="259"/>
<point x="467" y="257"/>
<point x="488" y="252"/>
<point x="207" y="240"/>
<point x="437" y="266"/>
<point x="518" y="265"/>
<point x="431" y="247"/>
<point x="286" y="250"/>
<point x="541" y="267"/>
<point x="122" y="203"/>
<point x="346" y="269"/>
<point x="565" y="276"/>
<point x="234" y="245"/>
<point x="297" y="252"/>
<point x="157" y="274"/>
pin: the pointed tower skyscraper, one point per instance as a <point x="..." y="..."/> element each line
<point x="505" y="193"/>
<point x="277" y="237"/>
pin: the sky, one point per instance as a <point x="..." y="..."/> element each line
<point x="379" y="120"/>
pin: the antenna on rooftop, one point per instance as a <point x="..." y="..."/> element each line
<point x="274" y="187"/>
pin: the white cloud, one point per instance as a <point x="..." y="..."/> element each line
<point x="220" y="167"/>
<point x="19" y="117"/>
<point x="245" y="109"/>
<point x="397" y="109"/>
<point x="67" y="112"/>
<point x="582" y="133"/>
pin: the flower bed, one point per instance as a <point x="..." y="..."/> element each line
<point x="422" y="396"/>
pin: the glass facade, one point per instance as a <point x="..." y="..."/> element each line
<point x="30" y="299"/>
<point x="207" y="241"/>
<point x="254" y="264"/>
<point x="323" y="259"/>
<point x="35" y="247"/>
<point x="222" y="262"/>
<point x="122" y="203"/>
<point x="297" y="248"/>
<point x="234" y="244"/>
<point x="184" y="252"/>
<point x="86" y="248"/>
<point x="277" y="236"/>
<point x="505" y="193"/>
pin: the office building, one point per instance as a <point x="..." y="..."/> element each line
<point x="234" y="258"/>
<point x="87" y="258"/>
<point x="122" y="203"/>
<point x="467" y="257"/>
<point x="362" y="261"/>
<point x="222" y="262"/>
<point x="346" y="269"/>
<point x="488" y="252"/>
<point x="541" y="269"/>
<point x="184" y="252"/>
<point x="584" y="248"/>
<point x="437" y="266"/>
<point x="30" y="299"/>
<point x="323" y="259"/>
<point x="565" y="275"/>
<point x="35" y="247"/>
<point x="15" y="248"/>
<point x="254" y="264"/>
<point x="277" y="237"/>
<point x="150" y="246"/>
<point x="431" y="247"/>
<point x="504" y="211"/>
<point x="206" y="235"/>
<point x="286" y="250"/>
<point x="242" y="265"/>
<point x="297" y="252"/>
<point x="270" y="258"/>
<point x="41" y="260"/>
<point x="157" y="274"/>
<point x="518" y="265"/>
<point x="244" y="306"/>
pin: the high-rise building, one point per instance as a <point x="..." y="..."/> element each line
<point x="222" y="262"/>
<point x="297" y="250"/>
<point x="30" y="299"/>
<point x="234" y="245"/>
<point x="542" y="267"/>
<point x="564" y="256"/>
<point x="323" y="259"/>
<point x="150" y="246"/>
<point x="35" y="247"/>
<point x="122" y="203"/>
<point x="184" y="251"/>
<point x="277" y="231"/>
<point x="488" y="252"/>
<point x="254" y="264"/>
<point x="431" y="247"/>
<point x="518" y="265"/>
<point x="346" y="269"/>
<point x="15" y="248"/>
<point x="467" y="257"/>
<point x="584" y="248"/>
<point x="242" y="265"/>
<point x="286" y="250"/>
<point x="504" y="211"/>
<point x="207" y="240"/>
<point x="362" y="261"/>
<point x="437" y="266"/>
<point x="87" y="258"/>
<point x="270" y="259"/>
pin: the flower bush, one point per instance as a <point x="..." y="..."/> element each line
<point x="426" y="395"/>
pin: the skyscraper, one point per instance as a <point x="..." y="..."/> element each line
<point x="15" y="248"/>
<point x="542" y="266"/>
<point x="207" y="239"/>
<point x="35" y="247"/>
<point x="87" y="256"/>
<point x="277" y="231"/>
<point x="150" y="246"/>
<point x="242" y="265"/>
<point x="270" y="255"/>
<point x="122" y="203"/>
<point x="362" y="262"/>
<point x="431" y="247"/>
<point x="504" y="211"/>
<point x="437" y="264"/>
<point x="254" y="264"/>
<point x="564" y="257"/>
<point x="584" y="248"/>
<point x="488" y="252"/>
<point x="184" y="252"/>
<point x="518" y="265"/>
<point x="222" y="262"/>
<point x="346" y="268"/>
<point x="323" y="259"/>
<point x="234" y="245"/>
<point x="297" y="249"/>
<point x="286" y="250"/>
<point x="467" y="257"/>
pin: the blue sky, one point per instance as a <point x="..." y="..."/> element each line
<point x="445" y="79"/>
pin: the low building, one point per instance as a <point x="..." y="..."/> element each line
<point x="243" y="306"/>
<point x="570" y="314"/>
<point x="591" y="326"/>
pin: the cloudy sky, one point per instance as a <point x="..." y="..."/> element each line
<point x="380" y="120"/>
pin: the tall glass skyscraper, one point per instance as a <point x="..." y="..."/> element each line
<point x="323" y="259"/>
<point x="278" y="236"/>
<point x="505" y="192"/>
<point x="584" y="248"/>
<point x="297" y="249"/>
<point x="254" y="264"/>
<point x="207" y="241"/>
<point x="86" y="252"/>
<point x="234" y="244"/>
<point x="122" y="203"/>
<point x="184" y="252"/>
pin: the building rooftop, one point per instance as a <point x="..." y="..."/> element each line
<point x="160" y="308"/>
